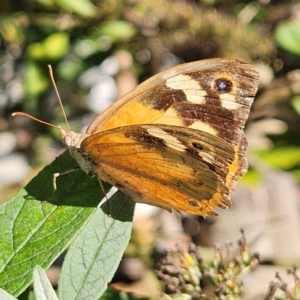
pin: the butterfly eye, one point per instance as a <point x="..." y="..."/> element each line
<point x="223" y="85"/>
<point x="67" y="141"/>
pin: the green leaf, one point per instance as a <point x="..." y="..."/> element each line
<point x="35" y="81"/>
<point x="70" y="70"/>
<point x="96" y="253"/>
<point x="12" y="32"/>
<point x="42" y="286"/>
<point x="54" y="47"/>
<point x="83" y="8"/>
<point x="117" y="30"/>
<point x="6" y="296"/>
<point x="288" y="37"/>
<point x="38" y="223"/>
<point x="111" y="293"/>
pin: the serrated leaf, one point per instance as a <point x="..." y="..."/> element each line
<point x="38" y="223"/>
<point x="96" y="253"/>
<point x="42" y="286"/>
<point x="6" y="296"/>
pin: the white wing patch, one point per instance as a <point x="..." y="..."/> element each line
<point x="228" y="101"/>
<point x="191" y="88"/>
<point x="169" y="140"/>
<point x="207" y="157"/>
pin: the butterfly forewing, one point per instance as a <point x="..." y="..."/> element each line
<point x="210" y="95"/>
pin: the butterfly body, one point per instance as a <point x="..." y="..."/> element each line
<point x="176" y="141"/>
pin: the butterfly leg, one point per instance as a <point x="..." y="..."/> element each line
<point x="105" y="196"/>
<point x="55" y="175"/>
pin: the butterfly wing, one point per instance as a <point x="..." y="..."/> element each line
<point x="165" y="165"/>
<point x="213" y="96"/>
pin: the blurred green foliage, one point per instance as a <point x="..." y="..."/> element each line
<point x="288" y="37"/>
<point x="77" y="36"/>
<point x="74" y="37"/>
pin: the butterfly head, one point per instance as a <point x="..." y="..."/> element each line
<point x="71" y="139"/>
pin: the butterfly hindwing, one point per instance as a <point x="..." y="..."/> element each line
<point x="166" y="166"/>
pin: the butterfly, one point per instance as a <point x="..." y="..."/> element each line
<point x="176" y="141"/>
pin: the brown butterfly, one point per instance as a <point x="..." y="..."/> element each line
<point x="176" y="141"/>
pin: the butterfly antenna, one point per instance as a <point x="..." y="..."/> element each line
<point x="20" y="113"/>
<point x="58" y="96"/>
